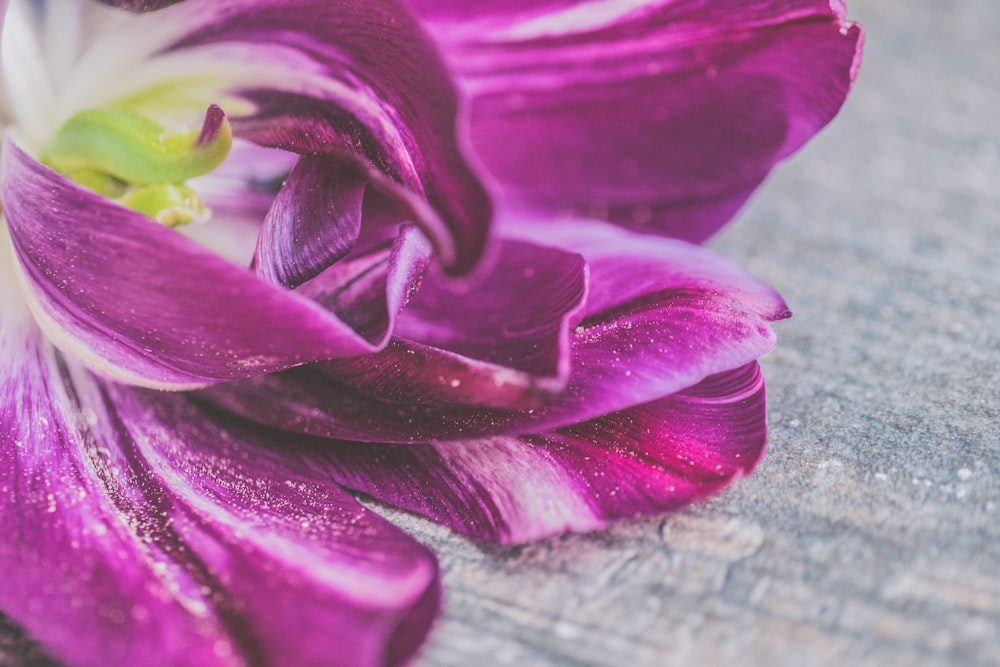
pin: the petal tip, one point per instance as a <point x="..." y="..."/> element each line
<point x="214" y="123"/>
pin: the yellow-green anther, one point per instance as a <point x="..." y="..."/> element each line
<point x="167" y="203"/>
<point x="137" y="150"/>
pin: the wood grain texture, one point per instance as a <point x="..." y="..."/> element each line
<point x="871" y="533"/>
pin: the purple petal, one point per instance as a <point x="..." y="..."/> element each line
<point x="659" y="115"/>
<point x="313" y="222"/>
<point x="503" y="344"/>
<point x="518" y="317"/>
<point x="140" y="530"/>
<point x="697" y="317"/>
<point x="626" y="266"/>
<point x="361" y="80"/>
<point x="644" y="460"/>
<point x="143" y="304"/>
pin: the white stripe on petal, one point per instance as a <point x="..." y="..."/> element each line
<point x="514" y="472"/>
<point x="581" y="18"/>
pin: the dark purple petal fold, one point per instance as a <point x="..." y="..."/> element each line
<point x="641" y="461"/>
<point x="661" y="115"/>
<point x="368" y="288"/>
<point x="141" y="530"/>
<point x="141" y="303"/>
<point x="364" y="82"/>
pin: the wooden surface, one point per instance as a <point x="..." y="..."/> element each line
<point x="869" y="535"/>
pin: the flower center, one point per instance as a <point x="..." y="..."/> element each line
<point x="135" y="161"/>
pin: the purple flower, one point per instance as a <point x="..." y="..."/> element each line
<point x="179" y="436"/>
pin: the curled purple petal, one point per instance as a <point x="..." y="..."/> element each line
<point x="660" y="115"/>
<point x="517" y="317"/>
<point x="625" y="266"/>
<point x="364" y="82"/>
<point x="313" y="222"/>
<point x="405" y="372"/>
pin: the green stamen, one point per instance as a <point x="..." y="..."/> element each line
<point x="125" y="156"/>
<point x="136" y="149"/>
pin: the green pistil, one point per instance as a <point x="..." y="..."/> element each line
<point x="166" y="203"/>
<point x="135" y="161"/>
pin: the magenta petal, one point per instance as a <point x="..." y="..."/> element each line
<point x="140" y="530"/>
<point x="376" y="92"/>
<point x="662" y="116"/>
<point x="644" y="460"/>
<point x="143" y="304"/>
<point x="313" y="222"/>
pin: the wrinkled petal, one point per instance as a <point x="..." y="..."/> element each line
<point x="518" y="317"/>
<point x="661" y="115"/>
<point x="700" y="318"/>
<point x="359" y="80"/>
<point x="644" y="460"/>
<point x="140" y="530"/>
<point x="503" y="344"/>
<point x="142" y="304"/>
<point x="313" y="222"/>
